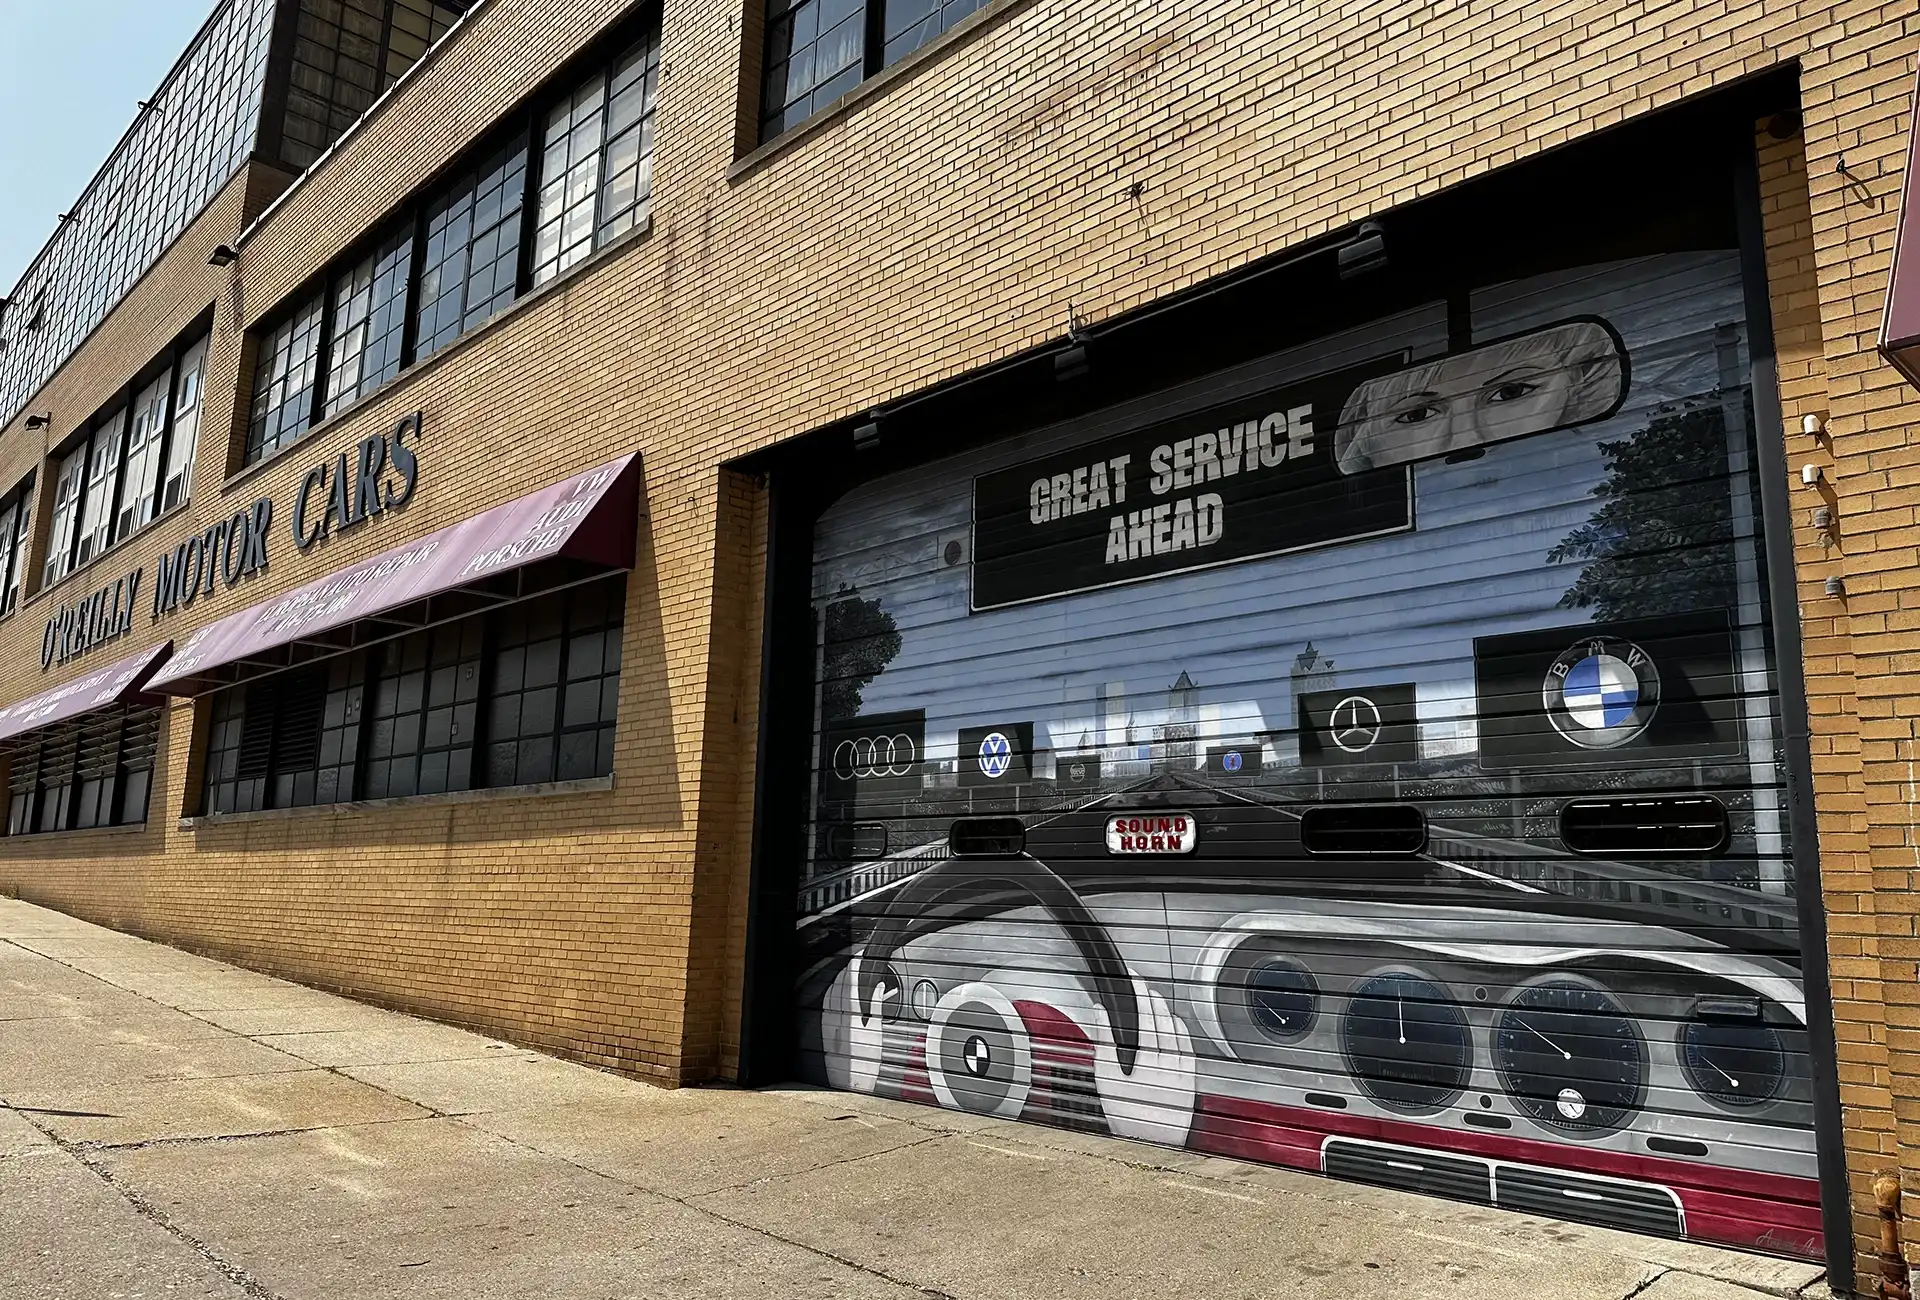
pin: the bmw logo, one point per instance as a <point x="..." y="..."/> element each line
<point x="996" y="756"/>
<point x="1602" y="693"/>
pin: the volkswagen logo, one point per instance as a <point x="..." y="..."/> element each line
<point x="1601" y="693"/>
<point x="1355" y="724"/>
<point x="996" y="755"/>
<point x="872" y="756"/>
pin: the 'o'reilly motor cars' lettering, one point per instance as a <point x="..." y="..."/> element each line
<point x="1152" y="833"/>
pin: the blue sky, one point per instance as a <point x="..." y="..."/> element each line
<point x="70" y="73"/>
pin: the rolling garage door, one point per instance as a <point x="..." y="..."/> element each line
<point x="1365" y="761"/>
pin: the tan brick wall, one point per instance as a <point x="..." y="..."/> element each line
<point x="937" y="226"/>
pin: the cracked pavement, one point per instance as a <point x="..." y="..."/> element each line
<point x="173" y="1126"/>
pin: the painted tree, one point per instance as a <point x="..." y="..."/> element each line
<point x="861" y="640"/>
<point x="1661" y="539"/>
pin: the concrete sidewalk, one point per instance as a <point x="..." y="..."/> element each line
<point x="174" y="1126"/>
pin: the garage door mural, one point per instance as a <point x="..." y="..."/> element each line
<point x="1366" y="761"/>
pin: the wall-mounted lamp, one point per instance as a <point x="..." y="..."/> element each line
<point x="1810" y="425"/>
<point x="1809" y="475"/>
<point x="1366" y="251"/>
<point x="1836" y="586"/>
<point x="1073" y="361"/>
<point x="866" y="437"/>
<point x="40" y="421"/>
<point x="223" y="255"/>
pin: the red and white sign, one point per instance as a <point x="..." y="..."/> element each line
<point x="1152" y="833"/>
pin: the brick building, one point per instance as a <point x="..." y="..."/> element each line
<point x="1308" y="581"/>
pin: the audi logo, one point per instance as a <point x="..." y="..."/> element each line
<point x="875" y="756"/>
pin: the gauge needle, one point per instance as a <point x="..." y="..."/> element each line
<point x="1543" y="1038"/>
<point x="1400" y="1006"/>
<point x="1722" y="1073"/>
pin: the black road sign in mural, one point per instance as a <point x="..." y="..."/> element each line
<point x="1641" y="690"/>
<point x="1238" y="481"/>
<point x="1001" y="754"/>
<point x="1366" y="724"/>
<point x="876" y="758"/>
<point x="1077" y="771"/>
<point x="1234" y="760"/>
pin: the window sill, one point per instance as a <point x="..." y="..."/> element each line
<point x="73" y="575"/>
<point x="523" y="303"/>
<point x="551" y="789"/>
<point x="33" y="837"/>
<point x="934" y="49"/>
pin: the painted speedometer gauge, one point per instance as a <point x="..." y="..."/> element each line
<point x="1282" y="1000"/>
<point x="1570" y="1057"/>
<point x="1733" y="1062"/>
<point x="1407" y="1042"/>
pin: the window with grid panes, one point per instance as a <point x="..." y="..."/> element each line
<point x="335" y="75"/>
<point x="53" y="790"/>
<point x="596" y="165"/>
<point x="338" y="759"/>
<point x="96" y="770"/>
<point x="416" y="25"/>
<point x="421" y="712"/>
<point x="818" y="50"/>
<point x="104" y="460"/>
<point x="227" y="716"/>
<point x="283" y="382"/>
<point x="69" y="484"/>
<point x="16" y="519"/>
<point x="369" y="321"/>
<point x="23" y="781"/>
<point x="146" y="437"/>
<point x="188" y="379"/>
<point x="472" y="261"/>
<point x="345" y="54"/>
<point x="909" y="24"/>
<point x="553" y="686"/>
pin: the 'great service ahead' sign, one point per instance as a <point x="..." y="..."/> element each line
<point x="1242" y="480"/>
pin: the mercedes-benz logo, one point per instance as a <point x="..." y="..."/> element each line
<point x="1355" y="724"/>
<point x="977" y="1056"/>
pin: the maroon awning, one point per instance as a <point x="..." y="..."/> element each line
<point x="1900" y="330"/>
<point x="114" y="684"/>
<point x="559" y="535"/>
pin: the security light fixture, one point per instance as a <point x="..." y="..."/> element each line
<point x="40" y="421"/>
<point x="1072" y="361"/>
<point x="1366" y="251"/>
<point x="866" y="436"/>
<point x="223" y="255"/>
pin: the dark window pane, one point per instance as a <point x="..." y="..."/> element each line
<point x="583" y="704"/>
<point x="577" y="755"/>
<point x="536" y="760"/>
<point x="537" y="709"/>
<point x="543" y="663"/>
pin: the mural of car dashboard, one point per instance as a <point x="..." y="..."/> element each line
<point x="1366" y="761"/>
